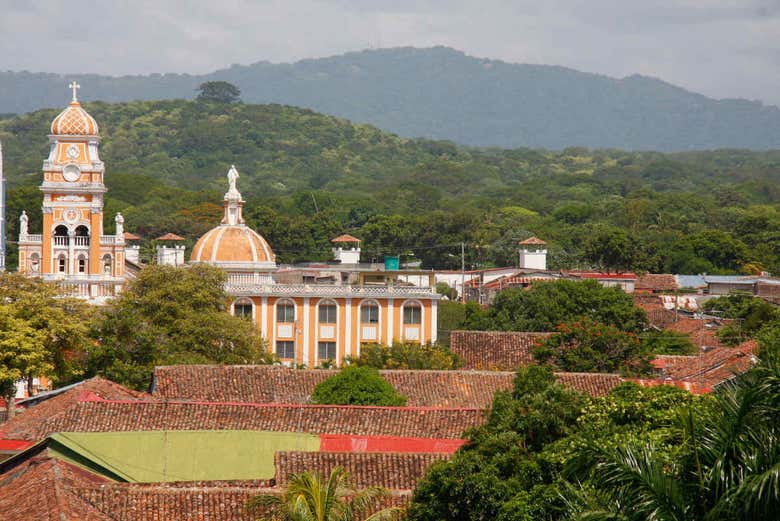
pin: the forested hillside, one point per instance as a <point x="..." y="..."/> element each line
<point x="441" y="93"/>
<point x="309" y="177"/>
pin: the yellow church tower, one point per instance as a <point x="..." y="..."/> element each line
<point x="72" y="248"/>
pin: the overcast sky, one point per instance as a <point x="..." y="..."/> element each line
<point x="721" y="48"/>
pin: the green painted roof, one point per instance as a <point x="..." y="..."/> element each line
<point x="155" y="456"/>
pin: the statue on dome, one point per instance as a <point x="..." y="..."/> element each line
<point x="23" y="220"/>
<point x="120" y="225"/>
<point x="232" y="176"/>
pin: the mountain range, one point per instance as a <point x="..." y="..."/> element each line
<point x="441" y="93"/>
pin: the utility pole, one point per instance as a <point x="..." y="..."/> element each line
<point x="463" y="272"/>
<point x="2" y="212"/>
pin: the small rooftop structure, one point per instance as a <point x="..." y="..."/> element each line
<point x="532" y="241"/>
<point x="169" y="237"/>
<point x="347" y="238"/>
<point x="350" y="252"/>
<point x="132" y="237"/>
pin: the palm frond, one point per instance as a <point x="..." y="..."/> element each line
<point x="642" y="483"/>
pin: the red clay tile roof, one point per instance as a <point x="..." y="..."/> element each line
<point x="162" y="502"/>
<point x="52" y="408"/>
<point x="169" y="237"/>
<point x="495" y="350"/>
<point x="43" y="489"/>
<point x="273" y="384"/>
<point x="112" y="416"/>
<point x="345" y="238"/>
<point x="597" y="275"/>
<point x="656" y="282"/>
<point x="46" y="489"/>
<point x="130" y="236"/>
<point x="594" y="384"/>
<point x="532" y="240"/>
<point x="389" y="470"/>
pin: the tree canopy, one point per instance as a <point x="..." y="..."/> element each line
<point x="218" y="92"/>
<point x="308" y="177"/>
<point x="171" y="316"/>
<point x="355" y="385"/>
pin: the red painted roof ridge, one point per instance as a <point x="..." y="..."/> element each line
<point x="280" y="405"/>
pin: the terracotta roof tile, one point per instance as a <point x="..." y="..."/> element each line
<point x="495" y="350"/>
<point x="390" y="470"/>
<point x="169" y="237"/>
<point x="41" y="488"/>
<point x="345" y="238"/>
<point x="532" y="240"/>
<point x="49" y="410"/>
<point x="273" y="384"/>
<point x="656" y="282"/>
<point x="113" y="416"/>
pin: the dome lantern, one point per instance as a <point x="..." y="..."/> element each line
<point x="74" y="120"/>
<point x="233" y="245"/>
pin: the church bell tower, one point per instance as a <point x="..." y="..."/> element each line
<point x="72" y="246"/>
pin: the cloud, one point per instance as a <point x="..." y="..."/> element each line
<point x="721" y="48"/>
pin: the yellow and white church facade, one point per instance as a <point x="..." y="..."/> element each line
<point x="307" y="314"/>
<point x="72" y="248"/>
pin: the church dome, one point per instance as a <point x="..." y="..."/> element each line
<point x="74" y="120"/>
<point x="233" y="245"/>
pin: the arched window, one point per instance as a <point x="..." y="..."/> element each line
<point x="285" y="311"/>
<point x="328" y="312"/>
<point x="369" y="313"/>
<point x="81" y="236"/>
<point x="61" y="235"/>
<point x="82" y="264"/>
<point x="412" y="313"/>
<point x="35" y="263"/>
<point x="62" y="264"/>
<point x="107" y="265"/>
<point x="243" y="308"/>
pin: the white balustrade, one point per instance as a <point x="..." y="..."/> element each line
<point x="81" y="241"/>
<point x="60" y="240"/>
<point x="325" y="290"/>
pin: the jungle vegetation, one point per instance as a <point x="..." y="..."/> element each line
<point x="309" y="177"/>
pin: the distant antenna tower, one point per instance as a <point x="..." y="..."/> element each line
<point x="2" y="212"/>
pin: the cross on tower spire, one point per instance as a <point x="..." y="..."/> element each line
<point x="75" y="86"/>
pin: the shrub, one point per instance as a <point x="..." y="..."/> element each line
<point x="355" y="385"/>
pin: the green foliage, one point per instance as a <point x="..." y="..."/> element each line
<point x="546" y="305"/>
<point x="540" y="442"/>
<point x="406" y="356"/>
<point x="218" y="92"/>
<point x="666" y="343"/>
<point x="442" y="288"/>
<point x="612" y="249"/>
<point x="171" y="316"/>
<point x="724" y="467"/>
<point x="355" y="385"/>
<point x="588" y="346"/>
<point x="309" y="177"/>
<point x="310" y="496"/>
<point x="51" y="329"/>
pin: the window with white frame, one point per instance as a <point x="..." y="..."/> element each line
<point x="412" y="313"/>
<point x="369" y="313"/>
<point x="326" y="350"/>
<point x="285" y="349"/>
<point x="285" y="312"/>
<point x="243" y="308"/>
<point x="327" y="312"/>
